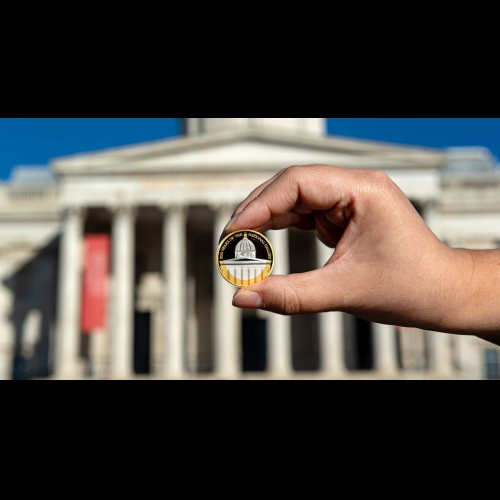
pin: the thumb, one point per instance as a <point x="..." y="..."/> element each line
<point x="306" y="293"/>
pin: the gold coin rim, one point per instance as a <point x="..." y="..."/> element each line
<point x="242" y="231"/>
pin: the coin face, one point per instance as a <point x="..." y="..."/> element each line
<point x="245" y="258"/>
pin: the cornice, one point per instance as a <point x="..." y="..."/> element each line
<point x="128" y="159"/>
<point x="14" y="216"/>
<point x="138" y="170"/>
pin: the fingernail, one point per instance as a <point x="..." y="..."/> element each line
<point x="248" y="300"/>
<point x="228" y="228"/>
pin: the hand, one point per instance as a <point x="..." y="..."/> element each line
<point x="388" y="266"/>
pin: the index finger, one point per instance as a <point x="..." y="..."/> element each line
<point x="312" y="187"/>
<point x="256" y="192"/>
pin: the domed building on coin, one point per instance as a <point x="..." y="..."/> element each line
<point x="245" y="249"/>
<point x="245" y="269"/>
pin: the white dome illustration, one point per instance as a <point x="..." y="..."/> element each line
<point x="245" y="249"/>
<point x="246" y="267"/>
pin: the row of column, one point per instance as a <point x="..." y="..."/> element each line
<point x="331" y="327"/>
<point x="67" y="362"/>
<point x="227" y="319"/>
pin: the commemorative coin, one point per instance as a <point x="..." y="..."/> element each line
<point x="245" y="258"/>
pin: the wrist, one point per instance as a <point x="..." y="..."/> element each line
<point x="473" y="297"/>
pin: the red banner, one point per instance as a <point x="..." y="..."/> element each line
<point x="95" y="282"/>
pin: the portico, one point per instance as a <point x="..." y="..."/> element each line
<point x="177" y="329"/>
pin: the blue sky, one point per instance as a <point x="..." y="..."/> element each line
<point x="33" y="141"/>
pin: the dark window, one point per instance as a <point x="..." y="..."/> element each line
<point x="142" y="343"/>
<point x="254" y="344"/>
<point x="364" y="345"/>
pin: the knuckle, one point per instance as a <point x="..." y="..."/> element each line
<point x="290" y="304"/>
<point x="379" y="177"/>
<point x="283" y="299"/>
<point x="379" y="181"/>
<point x="293" y="171"/>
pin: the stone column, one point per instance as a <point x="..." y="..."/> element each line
<point x="386" y="356"/>
<point x="191" y="343"/>
<point x="441" y="364"/>
<point x="466" y="357"/>
<point x="476" y="358"/>
<point x="331" y="328"/>
<point x="6" y="352"/>
<point x="99" y="354"/>
<point x="227" y="319"/>
<point x="279" y="328"/>
<point x="31" y="333"/>
<point x="158" y="339"/>
<point x="122" y="326"/>
<point x="6" y="329"/>
<point x="174" y="266"/>
<point x="67" y="362"/>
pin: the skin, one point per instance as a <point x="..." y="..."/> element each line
<point x="388" y="266"/>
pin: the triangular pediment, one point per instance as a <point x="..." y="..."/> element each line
<point x="240" y="151"/>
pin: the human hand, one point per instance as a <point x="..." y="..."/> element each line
<point x="388" y="266"/>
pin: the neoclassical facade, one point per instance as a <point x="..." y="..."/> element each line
<point x="164" y="205"/>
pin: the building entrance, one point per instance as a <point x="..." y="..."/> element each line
<point x="364" y="344"/>
<point x="254" y="343"/>
<point x="142" y="343"/>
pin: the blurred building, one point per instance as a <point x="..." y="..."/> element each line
<point x="159" y="208"/>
